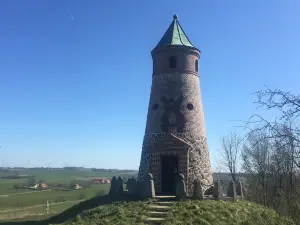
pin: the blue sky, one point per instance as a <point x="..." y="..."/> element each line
<point x="75" y="76"/>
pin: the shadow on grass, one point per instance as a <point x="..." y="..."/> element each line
<point x="73" y="211"/>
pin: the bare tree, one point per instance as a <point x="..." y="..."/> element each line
<point x="285" y="129"/>
<point x="256" y="163"/>
<point x="231" y="148"/>
<point x="272" y="153"/>
<point x="287" y="102"/>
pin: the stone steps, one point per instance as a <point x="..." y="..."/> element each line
<point x="159" y="209"/>
<point x="164" y="203"/>
<point x="154" y="220"/>
<point x="158" y="213"/>
<point x="165" y="198"/>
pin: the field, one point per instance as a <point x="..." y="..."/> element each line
<point x="18" y="203"/>
<point x="21" y="202"/>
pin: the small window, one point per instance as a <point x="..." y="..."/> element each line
<point x="190" y="106"/>
<point x="154" y="106"/>
<point x="172" y="62"/>
<point x="196" y="65"/>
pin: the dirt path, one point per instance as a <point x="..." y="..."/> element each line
<point x="22" y="193"/>
<point x="37" y="206"/>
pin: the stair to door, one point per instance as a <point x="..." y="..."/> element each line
<point x="159" y="209"/>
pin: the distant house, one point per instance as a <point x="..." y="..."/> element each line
<point x="77" y="186"/>
<point x="43" y="185"/>
<point x="34" y="187"/>
<point x="101" y="181"/>
<point x="98" y="181"/>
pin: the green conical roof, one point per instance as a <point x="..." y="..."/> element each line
<point x="174" y="35"/>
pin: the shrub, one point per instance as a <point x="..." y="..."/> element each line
<point x="32" y="181"/>
<point x="17" y="186"/>
<point x="78" y="218"/>
<point x="60" y="199"/>
<point x="72" y="183"/>
<point x="81" y="195"/>
<point x="85" y="184"/>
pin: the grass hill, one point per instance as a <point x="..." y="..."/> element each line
<point x="102" y="210"/>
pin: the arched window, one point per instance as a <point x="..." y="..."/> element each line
<point x="196" y="65"/>
<point x="172" y="62"/>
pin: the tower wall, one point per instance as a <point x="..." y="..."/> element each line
<point x="175" y="108"/>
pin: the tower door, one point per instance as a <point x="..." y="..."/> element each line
<point x="169" y="168"/>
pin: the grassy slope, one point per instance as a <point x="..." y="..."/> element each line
<point x="36" y="212"/>
<point x="130" y="211"/>
<point x="117" y="213"/>
<point x="184" y="212"/>
<point x="221" y="213"/>
<point x="101" y="210"/>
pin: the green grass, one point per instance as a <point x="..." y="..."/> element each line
<point x="115" y="213"/>
<point x="17" y="200"/>
<point x="51" y="177"/>
<point x="100" y="204"/>
<point x="223" y="213"/>
<point x="52" y="196"/>
<point x="37" y="211"/>
<point x="6" y="186"/>
<point x="184" y="212"/>
<point x="102" y="210"/>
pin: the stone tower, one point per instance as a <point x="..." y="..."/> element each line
<point x="175" y="137"/>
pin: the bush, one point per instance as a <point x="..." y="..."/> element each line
<point x="72" y="183"/>
<point x="17" y="186"/>
<point x="78" y="218"/>
<point x="85" y="184"/>
<point x="60" y="199"/>
<point x="31" y="181"/>
<point x="61" y="184"/>
<point x="81" y="195"/>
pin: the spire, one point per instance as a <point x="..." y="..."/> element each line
<point x="174" y="35"/>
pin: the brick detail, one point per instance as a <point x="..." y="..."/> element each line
<point x="168" y="113"/>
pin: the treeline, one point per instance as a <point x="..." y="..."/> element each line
<point x="113" y="170"/>
<point x="16" y="169"/>
<point x="269" y="154"/>
<point x="15" y="176"/>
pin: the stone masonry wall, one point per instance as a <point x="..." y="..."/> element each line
<point x="175" y="107"/>
<point x="173" y="86"/>
<point x="194" y="163"/>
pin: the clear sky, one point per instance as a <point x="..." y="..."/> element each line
<point x="75" y="76"/>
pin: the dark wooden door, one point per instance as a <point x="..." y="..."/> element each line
<point x="169" y="174"/>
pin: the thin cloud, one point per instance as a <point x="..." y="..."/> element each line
<point x="71" y="16"/>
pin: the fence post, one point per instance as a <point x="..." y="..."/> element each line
<point x="47" y="208"/>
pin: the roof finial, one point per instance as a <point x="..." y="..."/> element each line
<point x="174" y="35"/>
